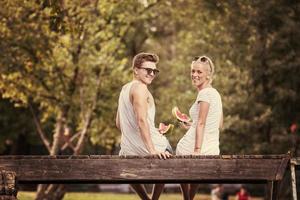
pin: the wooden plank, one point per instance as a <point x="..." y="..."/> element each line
<point x="295" y="161"/>
<point x="113" y="169"/>
<point x="294" y="183"/>
<point x="145" y="157"/>
<point x="7" y="197"/>
<point x="282" y="168"/>
<point x="273" y="190"/>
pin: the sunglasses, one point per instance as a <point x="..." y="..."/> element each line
<point x="203" y="59"/>
<point x="150" y="70"/>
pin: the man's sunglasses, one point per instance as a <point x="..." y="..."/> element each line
<point x="203" y="59"/>
<point x="150" y="70"/>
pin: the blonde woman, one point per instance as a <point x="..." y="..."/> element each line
<point x="202" y="136"/>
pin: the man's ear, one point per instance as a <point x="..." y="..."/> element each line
<point x="135" y="71"/>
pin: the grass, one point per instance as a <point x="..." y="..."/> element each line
<point x="105" y="196"/>
<point x="114" y="196"/>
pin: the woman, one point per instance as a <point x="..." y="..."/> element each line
<point x="242" y="194"/>
<point x="202" y="137"/>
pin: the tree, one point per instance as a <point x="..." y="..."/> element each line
<point x="63" y="59"/>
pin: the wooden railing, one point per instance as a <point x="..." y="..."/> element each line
<point x="135" y="169"/>
<point x="295" y="165"/>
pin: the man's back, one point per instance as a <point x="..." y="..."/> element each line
<point x="131" y="141"/>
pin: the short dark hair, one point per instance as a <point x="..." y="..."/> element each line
<point x="144" y="57"/>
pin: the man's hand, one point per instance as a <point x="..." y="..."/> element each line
<point x="162" y="155"/>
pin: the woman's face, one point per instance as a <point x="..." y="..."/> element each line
<point x="199" y="74"/>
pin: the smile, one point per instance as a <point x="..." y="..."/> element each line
<point x="196" y="78"/>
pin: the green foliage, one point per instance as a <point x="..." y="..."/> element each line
<point x="256" y="67"/>
<point x="61" y="56"/>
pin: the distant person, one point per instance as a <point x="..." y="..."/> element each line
<point x="242" y="194"/>
<point x="202" y="137"/>
<point x="216" y="193"/>
<point x="135" y="118"/>
<point x="224" y="195"/>
<point x="219" y="193"/>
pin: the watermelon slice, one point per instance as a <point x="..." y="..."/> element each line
<point x="180" y="116"/>
<point x="165" y="129"/>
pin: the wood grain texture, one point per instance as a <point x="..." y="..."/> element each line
<point x="134" y="169"/>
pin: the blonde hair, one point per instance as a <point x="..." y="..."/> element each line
<point x="205" y="60"/>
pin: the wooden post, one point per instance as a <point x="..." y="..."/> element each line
<point x="8" y="189"/>
<point x="273" y="187"/>
<point x="293" y="177"/>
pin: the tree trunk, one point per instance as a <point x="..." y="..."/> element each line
<point x="54" y="192"/>
<point x="51" y="192"/>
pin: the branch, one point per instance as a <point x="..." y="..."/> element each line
<point x="69" y="141"/>
<point x="39" y="129"/>
<point x="88" y="118"/>
<point x="149" y="7"/>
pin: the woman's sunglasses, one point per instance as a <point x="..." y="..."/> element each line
<point x="203" y="59"/>
<point x="150" y="70"/>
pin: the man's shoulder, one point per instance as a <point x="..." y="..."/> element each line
<point x="138" y="88"/>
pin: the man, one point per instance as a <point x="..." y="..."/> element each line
<point x="135" y="117"/>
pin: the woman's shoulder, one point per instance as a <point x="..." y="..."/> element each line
<point x="209" y="90"/>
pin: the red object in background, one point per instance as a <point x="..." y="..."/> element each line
<point x="293" y="128"/>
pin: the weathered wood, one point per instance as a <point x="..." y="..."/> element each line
<point x="273" y="187"/>
<point x="7" y="197"/>
<point x="135" y="169"/>
<point x="294" y="165"/>
<point x="295" y="161"/>
<point x="8" y="188"/>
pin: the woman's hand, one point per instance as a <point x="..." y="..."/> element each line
<point x="185" y="125"/>
<point x="197" y="151"/>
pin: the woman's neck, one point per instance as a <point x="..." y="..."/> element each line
<point x="204" y="85"/>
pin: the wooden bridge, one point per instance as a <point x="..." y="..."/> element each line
<point x="135" y="169"/>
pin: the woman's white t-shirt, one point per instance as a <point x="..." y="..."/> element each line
<point x="210" y="145"/>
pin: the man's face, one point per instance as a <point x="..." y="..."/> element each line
<point x="147" y="72"/>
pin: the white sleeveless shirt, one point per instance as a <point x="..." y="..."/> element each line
<point x="210" y="144"/>
<point x="131" y="140"/>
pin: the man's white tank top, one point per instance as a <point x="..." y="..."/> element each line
<point x="131" y="140"/>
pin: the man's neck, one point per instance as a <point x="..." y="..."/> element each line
<point x="138" y="80"/>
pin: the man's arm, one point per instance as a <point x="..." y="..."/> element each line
<point x="140" y="107"/>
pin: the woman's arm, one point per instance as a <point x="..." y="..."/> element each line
<point x="221" y="121"/>
<point x="203" y="111"/>
<point x="118" y="120"/>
